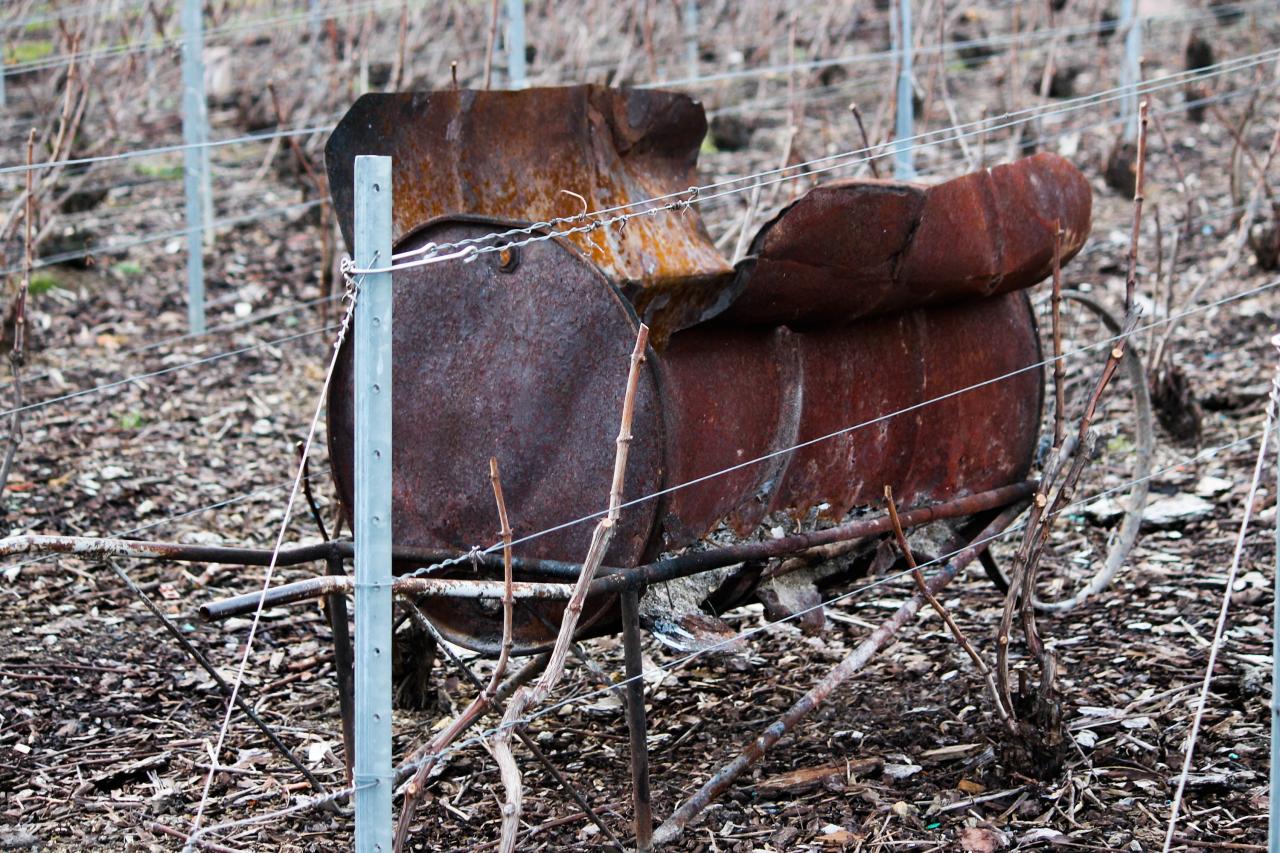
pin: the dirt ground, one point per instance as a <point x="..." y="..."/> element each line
<point x="140" y="430"/>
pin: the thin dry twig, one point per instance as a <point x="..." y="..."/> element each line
<point x="600" y="539"/>
<point x="486" y="696"/>
<point x="866" y="143"/>
<point x="1005" y="712"/>
<point x="397" y="72"/>
<point x="1044" y="509"/>
<point x="17" y="352"/>
<point x="504" y="690"/>
<point x="1131" y="274"/>
<point x="489" y="45"/>
<point x="1059" y="369"/>
<point x="508" y="595"/>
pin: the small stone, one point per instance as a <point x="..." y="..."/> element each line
<point x="898" y="772"/>
<point x="1086" y="738"/>
<point x="1211" y="487"/>
<point x="1105" y="512"/>
<point x="1176" y="511"/>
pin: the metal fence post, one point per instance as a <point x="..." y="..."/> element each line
<point x="195" y="134"/>
<point x="904" y="152"/>
<point x="517" y="70"/>
<point x="690" y="15"/>
<point x="2" y="95"/>
<point x="1131" y="68"/>
<point x="373" y="773"/>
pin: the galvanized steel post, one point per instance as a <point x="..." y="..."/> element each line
<point x="1131" y="68"/>
<point x="903" y="155"/>
<point x="2" y="95"/>
<point x="373" y="772"/>
<point x="195" y="135"/>
<point x="690" y="15"/>
<point x="517" y="71"/>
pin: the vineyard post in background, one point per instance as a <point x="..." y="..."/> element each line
<point x="195" y="136"/>
<point x="690" y="15"/>
<point x="903" y="154"/>
<point x="373" y="772"/>
<point x="1131" y="68"/>
<point x="517" y="71"/>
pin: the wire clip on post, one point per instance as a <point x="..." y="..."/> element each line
<point x="373" y="772"/>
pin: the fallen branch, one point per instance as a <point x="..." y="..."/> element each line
<point x="720" y="781"/>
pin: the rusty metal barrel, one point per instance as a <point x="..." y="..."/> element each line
<point x="876" y="335"/>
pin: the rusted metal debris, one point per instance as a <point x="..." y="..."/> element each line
<point x="862" y="298"/>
